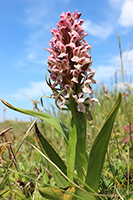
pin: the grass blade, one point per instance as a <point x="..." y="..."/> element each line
<point x="47" y="149"/>
<point x="99" y="148"/>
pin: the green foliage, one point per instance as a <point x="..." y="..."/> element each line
<point x="79" y="120"/>
<point x="116" y="178"/>
<point x="53" y="121"/>
<point x="99" y="149"/>
<point x="71" y="152"/>
<point x="47" y="149"/>
<point x="51" y="193"/>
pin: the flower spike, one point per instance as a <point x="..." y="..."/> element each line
<point x="69" y="63"/>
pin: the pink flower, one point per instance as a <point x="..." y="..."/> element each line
<point x="87" y="87"/>
<point x="69" y="62"/>
<point x="91" y="101"/>
<point x="81" y="106"/>
<point x="128" y="128"/>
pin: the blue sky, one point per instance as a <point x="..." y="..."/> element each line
<point x="25" y="33"/>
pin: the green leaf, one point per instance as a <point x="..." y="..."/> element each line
<point x="85" y="196"/>
<point x="51" y="193"/>
<point x="70" y="193"/>
<point x="4" y="191"/>
<point x="71" y="152"/>
<point x="79" y="119"/>
<point x="48" y="150"/>
<point x="53" y="121"/>
<point x="18" y="194"/>
<point x="99" y="148"/>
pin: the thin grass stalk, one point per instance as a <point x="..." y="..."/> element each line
<point x="18" y="149"/>
<point x="121" y="61"/>
<point x="129" y="121"/>
<point x="74" y="184"/>
<point x="5" y="136"/>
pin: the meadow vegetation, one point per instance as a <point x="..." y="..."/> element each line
<point x="29" y="170"/>
<point x="23" y="169"/>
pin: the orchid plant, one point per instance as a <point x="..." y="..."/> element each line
<point x="70" y="79"/>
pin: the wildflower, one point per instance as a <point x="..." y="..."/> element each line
<point x="69" y="63"/>
<point x="128" y="128"/>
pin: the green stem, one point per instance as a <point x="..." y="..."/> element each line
<point x="130" y="135"/>
<point x="79" y="119"/>
<point x="81" y="156"/>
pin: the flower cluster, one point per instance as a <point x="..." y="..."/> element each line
<point x="69" y="63"/>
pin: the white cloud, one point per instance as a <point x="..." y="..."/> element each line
<point x="37" y="13"/>
<point x="35" y="90"/>
<point x="126" y="16"/>
<point x="120" y="86"/>
<point x="127" y="58"/>
<point x="116" y="4"/>
<point x="101" y="31"/>
<point x="38" y="24"/>
<point x="36" y="59"/>
<point x="31" y="56"/>
<point x="114" y="64"/>
<point x="104" y="71"/>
